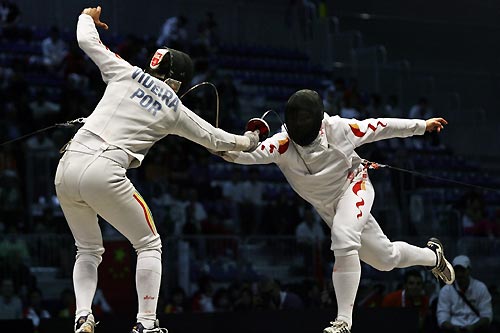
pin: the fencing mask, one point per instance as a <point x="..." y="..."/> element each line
<point x="172" y="66"/>
<point x="303" y="116"/>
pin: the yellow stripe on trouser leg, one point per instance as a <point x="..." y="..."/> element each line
<point x="147" y="212"/>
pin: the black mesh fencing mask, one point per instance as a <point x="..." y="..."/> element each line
<point x="303" y="116"/>
<point x="172" y="66"/>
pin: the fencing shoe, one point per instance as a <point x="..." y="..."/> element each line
<point x="338" y="326"/>
<point x="138" y="328"/>
<point x="85" y="324"/>
<point x="443" y="269"/>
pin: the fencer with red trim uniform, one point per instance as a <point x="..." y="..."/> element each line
<point x="316" y="154"/>
<point x="138" y="108"/>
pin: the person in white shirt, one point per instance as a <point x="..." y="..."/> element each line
<point x="309" y="231"/>
<point x="310" y="236"/>
<point x="139" y="107"/>
<point x="54" y="49"/>
<point x="316" y="153"/>
<point x="464" y="306"/>
<point x="11" y="306"/>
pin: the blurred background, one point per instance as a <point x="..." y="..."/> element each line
<point x="233" y="234"/>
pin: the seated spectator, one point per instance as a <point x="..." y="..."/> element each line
<point x="464" y="306"/>
<point x="412" y="295"/>
<point x="9" y="13"/>
<point x="43" y="111"/>
<point x="11" y="306"/>
<point x="54" y="50"/>
<point x="35" y="309"/>
<point x="244" y="299"/>
<point x="431" y="140"/>
<point x="202" y="300"/>
<point x="472" y="207"/>
<point x="370" y="294"/>
<point x="66" y="306"/>
<point x="271" y="296"/>
<point x="310" y="236"/>
<point x="222" y="302"/>
<point x="348" y="109"/>
<point x="177" y="302"/>
<point x="495" y="301"/>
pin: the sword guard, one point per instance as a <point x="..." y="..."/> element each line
<point x="258" y="124"/>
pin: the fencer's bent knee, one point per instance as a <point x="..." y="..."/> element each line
<point x="388" y="260"/>
<point x="342" y="252"/>
<point x="153" y="243"/>
<point x="92" y="254"/>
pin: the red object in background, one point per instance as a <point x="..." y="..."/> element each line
<point x="117" y="277"/>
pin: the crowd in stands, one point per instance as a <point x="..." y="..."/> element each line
<point x="439" y="307"/>
<point x="45" y="79"/>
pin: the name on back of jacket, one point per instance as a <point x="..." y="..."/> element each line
<point x="152" y="96"/>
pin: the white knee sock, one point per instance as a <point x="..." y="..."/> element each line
<point x="345" y="276"/>
<point x="148" y="280"/>
<point x="411" y="255"/>
<point x="85" y="282"/>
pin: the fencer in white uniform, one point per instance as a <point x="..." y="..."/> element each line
<point x="138" y="108"/>
<point x="316" y="153"/>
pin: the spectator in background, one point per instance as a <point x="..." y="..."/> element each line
<point x="11" y="196"/>
<point x="375" y="107"/>
<point x="412" y="295"/>
<point x="177" y="302"/>
<point x="233" y="191"/>
<point x="310" y="236"/>
<point x="66" y="306"/>
<point x="9" y="13"/>
<point x="271" y="296"/>
<point x="253" y="200"/>
<point x="222" y="301"/>
<point x="329" y="101"/>
<point x="299" y="17"/>
<point x="230" y="116"/>
<point x="202" y="300"/>
<point x="244" y="299"/>
<point x="206" y="42"/>
<point x="75" y="67"/>
<point x="370" y="294"/>
<point x="13" y="248"/>
<point x="35" y="310"/>
<point x="422" y="109"/>
<point x="11" y="306"/>
<point x="495" y="301"/>
<point x="54" y="50"/>
<point x="392" y="109"/>
<point x="174" y="33"/>
<point x="348" y="109"/>
<point x="334" y="94"/>
<point x="472" y="206"/>
<point x="43" y="111"/>
<point x="464" y="306"/>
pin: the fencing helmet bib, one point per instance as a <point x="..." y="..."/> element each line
<point x="303" y="116"/>
<point x="172" y="66"/>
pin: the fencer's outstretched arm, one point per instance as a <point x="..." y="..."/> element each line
<point x="360" y="132"/>
<point x="196" y="129"/>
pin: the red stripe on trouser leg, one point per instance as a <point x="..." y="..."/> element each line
<point x="145" y="210"/>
